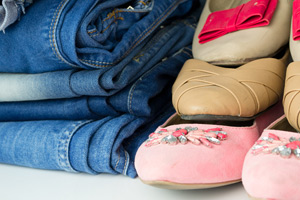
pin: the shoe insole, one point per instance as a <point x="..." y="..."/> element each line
<point x="284" y="125"/>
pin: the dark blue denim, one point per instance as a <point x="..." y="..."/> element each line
<point x="67" y="34"/>
<point x="78" y="83"/>
<point x="78" y="146"/>
<point x="144" y="97"/>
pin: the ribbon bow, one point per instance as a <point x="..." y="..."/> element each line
<point x="255" y="13"/>
<point x="296" y="20"/>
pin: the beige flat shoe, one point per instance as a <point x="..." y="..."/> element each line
<point x="291" y="97"/>
<point x="203" y="91"/>
<point x="242" y="46"/>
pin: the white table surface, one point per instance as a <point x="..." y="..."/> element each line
<point x="20" y="183"/>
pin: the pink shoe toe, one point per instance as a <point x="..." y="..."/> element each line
<point x="271" y="167"/>
<point x="190" y="155"/>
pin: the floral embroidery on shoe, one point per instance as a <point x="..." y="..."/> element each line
<point x="186" y="135"/>
<point x="275" y="145"/>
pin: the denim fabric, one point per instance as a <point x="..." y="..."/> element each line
<point x="89" y="60"/>
<point x="91" y="34"/>
<point x="77" y="83"/>
<point x="77" y="146"/>
<point x="144" y="97"/>
<point x="11" y="10"/>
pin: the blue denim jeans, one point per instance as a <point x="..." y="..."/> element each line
<point x="11" y="11"/>
<point x="144" y="97"/>
<point x="78" y="83"/>
<point x="66" y="34"/>
<point x="128" y="62"/>
<point x="102" y="146"/>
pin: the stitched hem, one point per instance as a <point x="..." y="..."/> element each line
<point x="52" y="31"/>
<point x="126" y="165"/>
<point x="63" y="145"/>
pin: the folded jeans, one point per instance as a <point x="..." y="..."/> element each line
<point x="92" y="34"/>
<point x="101" y="146"/>
<point x="76" y="83"/>
<point x="144" y="97"/>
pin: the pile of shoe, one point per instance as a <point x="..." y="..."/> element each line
<point x="229" y="123"/>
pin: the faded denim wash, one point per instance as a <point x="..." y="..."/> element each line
<point x="144" y="97"/>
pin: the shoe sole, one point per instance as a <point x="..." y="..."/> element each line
<point x="180" y="186"/>
<point x="223" y="117"/>
<point x="217" y="117"/>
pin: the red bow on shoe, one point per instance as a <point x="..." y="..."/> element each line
<point x="255" y="13"/>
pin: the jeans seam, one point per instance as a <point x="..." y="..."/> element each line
<point x="131" y="93"/>
<point x="142" y="3"/>
<point x="125" y="163"/>
<point x="193" y="26"/>
<point x="63" y="146"/>
<point x="105" y="19"/>
<point x="131" y="96"/>
<point x="93" y="31"/>
<point x="120" y="11"/>
<point x="118" y="160"/>
<point x="184" y="51"/>
<point x="52" y="29"/>
<point x="188" y="48"/>
<point x="158" y="20"/>
<point x="115" y="21"/>
<point x="135" y="85"/>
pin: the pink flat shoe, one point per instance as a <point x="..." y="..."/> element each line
<point x="187" y="155"/>
<point x="271" y="167"/>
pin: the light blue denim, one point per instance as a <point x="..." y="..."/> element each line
<point x="77" y="83"/>
<point x="66" y="34"/>
<point x="11" y="11"/>
<point x="102" y="146"/>
<point x="144" y="97"/>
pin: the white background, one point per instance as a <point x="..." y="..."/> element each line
<point x="20" y="183"/>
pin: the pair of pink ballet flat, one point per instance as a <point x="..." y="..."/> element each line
<point x="264" y="153"/>
<point x="187" y="155"/>
<point x="183" y="154"/>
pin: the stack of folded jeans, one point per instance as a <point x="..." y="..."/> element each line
<point x="83" y="83"/>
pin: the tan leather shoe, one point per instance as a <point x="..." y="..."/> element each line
<point x="291" y="97"/>
<point x="203" y="91"/>
<point x="245" y="45"/>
